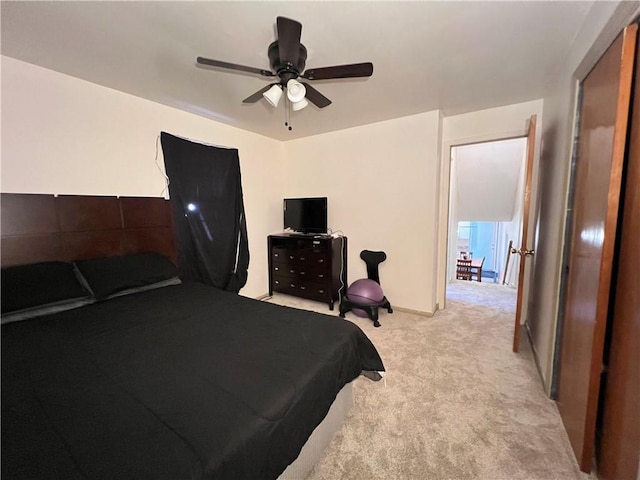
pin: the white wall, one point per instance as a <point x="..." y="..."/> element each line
<point x="485" y="125"/>
<point x="604" y="22"/>
<point x="486" y="180"/>
<point x="62" y="135"/>
<point x="382" y="184"/>
<point x="513" y="229"/>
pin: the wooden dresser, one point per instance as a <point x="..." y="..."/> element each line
<point x="307" y="266"/>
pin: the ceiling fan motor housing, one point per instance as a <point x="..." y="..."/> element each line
<point x="285" y="70"/>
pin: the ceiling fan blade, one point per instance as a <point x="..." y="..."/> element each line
<point x="340" y="71"/>
<point x="315" y="97"/>
<point x="289" y="32"/>
<point x="258" y="95"/>
<point x="233" y="66"/>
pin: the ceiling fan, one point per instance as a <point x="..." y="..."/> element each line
<point x="287" y="57"/>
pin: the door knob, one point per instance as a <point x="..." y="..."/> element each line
<point x="522" y="251"/>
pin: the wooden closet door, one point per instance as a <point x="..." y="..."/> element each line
<point x="600" y="157"/>
<point x="620" y="446"/>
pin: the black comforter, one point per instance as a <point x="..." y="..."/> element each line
<point x="183" y="382"/>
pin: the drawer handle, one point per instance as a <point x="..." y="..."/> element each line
<point x="321" y="260"/>
<point x="277" y="282"/>
<point x="302" y="273"/>
<point x="321" y="275"/>
<point x="276" y="268"/>
<point x="320" y="291"/>
<point x="303" y="288"/>
<point x="292" y="271"/>
<point x="276" y="254"/>
<point x="292" y="285"/>
<point x="302" y="258"/>
<point x="291" y="257"/>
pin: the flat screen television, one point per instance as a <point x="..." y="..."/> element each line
<point x="306" y="215"/>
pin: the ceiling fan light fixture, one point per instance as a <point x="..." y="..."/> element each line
<point x="295" y="91"/>
<point x="273" y="95"/>
<point x="295" y="106"/>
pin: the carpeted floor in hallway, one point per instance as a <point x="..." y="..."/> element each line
<point x="456" y="404"/>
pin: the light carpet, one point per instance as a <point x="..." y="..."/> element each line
<point x="456" y="403"/>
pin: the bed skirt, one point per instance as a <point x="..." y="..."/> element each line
<point x="320" y="438"/>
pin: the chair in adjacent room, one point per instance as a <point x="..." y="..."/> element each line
<point x="476" y="268"/>
<point x="365" y="296"/>
<point x="463" y="269"/>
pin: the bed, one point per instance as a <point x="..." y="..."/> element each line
<point x="146" y="376"/>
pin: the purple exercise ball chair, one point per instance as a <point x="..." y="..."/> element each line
<point x="365" y="296"/>
<point x="364" y="292"/>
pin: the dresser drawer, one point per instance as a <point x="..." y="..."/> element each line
<point x="285" y="285"/>
<point x="315" y="274"/>
<point x="297" y="257"/>
<point x="301" y="288"/>
<point x="280" y="255"/>
<point x="314" y="291"/>
<point x="284" y="269"/>
<point x="318" y="261"/>
<point x="288" y="273"/>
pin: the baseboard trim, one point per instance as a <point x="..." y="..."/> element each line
<point x="415" y="312"/>
<point x="266" y="296"/>
<point x="535" y="358"/>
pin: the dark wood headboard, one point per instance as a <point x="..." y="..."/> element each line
<point x="39" y="228"/>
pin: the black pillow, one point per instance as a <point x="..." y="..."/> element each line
<point x="106" y="276"/>
<point x="37" y="284"/>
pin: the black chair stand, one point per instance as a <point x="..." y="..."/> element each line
<point x="372" y="259"/>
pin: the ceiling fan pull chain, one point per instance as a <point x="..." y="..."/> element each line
<point x="287" y="113"/>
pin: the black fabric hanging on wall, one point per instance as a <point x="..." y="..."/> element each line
<point x="208" y="212"/>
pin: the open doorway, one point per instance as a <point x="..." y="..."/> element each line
<point x="486" y="209"/>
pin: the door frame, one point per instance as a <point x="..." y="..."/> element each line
<point x="451" y="224"/>
<point x="444" y="212"/>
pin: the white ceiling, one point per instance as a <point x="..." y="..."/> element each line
<point x="453" y="56"/>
